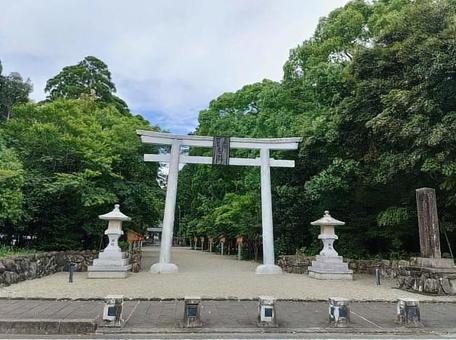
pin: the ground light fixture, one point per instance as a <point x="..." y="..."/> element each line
<point x="112" y="312"/>
<point x="192" y="312"/>
<point x="408" y="312"/>
<point x="339" y="311"/>
<point x="266" y="312"/>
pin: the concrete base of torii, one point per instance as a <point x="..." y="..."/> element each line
<point x="164" y="268"/>
<point x="268" y="269"/>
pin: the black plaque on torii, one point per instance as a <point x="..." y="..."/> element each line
<point x="221" y="151"/>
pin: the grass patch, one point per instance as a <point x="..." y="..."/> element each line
<point x="6" y="251"/>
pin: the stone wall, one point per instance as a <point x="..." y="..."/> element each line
<point x="27" y="267"/>
<point x="135" y="257"/>
<point x="388" y="268"/>
<point x="429" y="276"/>
<point x="408" y="274"/>
<point x="428" y="281"/>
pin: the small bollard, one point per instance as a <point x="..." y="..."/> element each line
<point x="408" y="312"/>
<point x="377" y="276"/>
<point x="71" y="268"/>
<point x="112" y="312"/>
<point x="266" y="312"/>
<point x="339" y="312"/>
<point x="192" y="306"/>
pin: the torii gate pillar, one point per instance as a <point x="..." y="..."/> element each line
<point x="268" y="266"/>
<point x="164" y="265"/>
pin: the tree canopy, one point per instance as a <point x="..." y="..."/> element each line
<point x="70" y="158"/>
<point x="90" y="76"/>
<point x="78" y="160"/>
<point x="13" y="90"/>
<point x="372" y="94"/>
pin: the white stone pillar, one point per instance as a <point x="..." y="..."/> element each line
<point x="268" y="266"/>
<point x="165" y="265"/>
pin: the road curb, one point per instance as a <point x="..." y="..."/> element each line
<point x="310" y="330"/>
<point x="46" y="326"/>
<point x="208" y="298"/>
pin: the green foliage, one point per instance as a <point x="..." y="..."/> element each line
<point x="79" y="158"/>
<point x="11" y="183"/>
<point x="91" y="77"/>
<point x="13" y="90"/>
<point x="237" y="215"/>
<point x="372" y="94"/>
<point x="10" y="251"/>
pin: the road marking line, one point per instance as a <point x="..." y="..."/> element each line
<point x="131" y="313"/>
<point x="373" y="323"/>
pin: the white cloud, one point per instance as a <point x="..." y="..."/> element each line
<point x="168" y="58"/>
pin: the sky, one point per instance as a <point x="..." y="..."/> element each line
<point x="168" y="58"/>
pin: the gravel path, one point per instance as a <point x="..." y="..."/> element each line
<point x="209" y="276"/>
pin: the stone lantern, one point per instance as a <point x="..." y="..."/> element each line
<point x="111" y="262"/>
<point x="329" y="265"/>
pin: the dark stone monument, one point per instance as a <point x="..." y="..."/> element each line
<point x="430" y="273"/>
<point x="428" y="223"/>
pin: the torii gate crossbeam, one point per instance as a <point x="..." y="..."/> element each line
<point x="175" y="158"/>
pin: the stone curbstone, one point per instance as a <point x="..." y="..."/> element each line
<point x="47" y="327"/>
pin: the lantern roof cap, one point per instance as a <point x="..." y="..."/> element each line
<point x="115" y="215"/>
<point x="327" y="219"/>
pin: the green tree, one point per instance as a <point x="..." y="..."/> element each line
<point x="79" y="158"/>
<point x="13" y="90"/>
<point x="11" y="182"/>
<point x="372" y="95"/>
<point x="90" y="76"/>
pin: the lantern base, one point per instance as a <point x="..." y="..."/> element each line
<point x="108" y="272"/>
<point x="109" y="265"/>
<point x="330" y="268"/>
<point x="331" y="276"/>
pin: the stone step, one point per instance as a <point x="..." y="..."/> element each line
<point x="331" y="275"/>
<point x="107" y="275"/>
<point x="110" y="262"/>
<point x="335" y="271"/>
<point x="329" y="264"/>
<point x="109" y="268"/>
<point x="329" y="267"/>
<point x="108" y="272"/>
<point x="329" y="259"/>
<point x="112" y="255"/>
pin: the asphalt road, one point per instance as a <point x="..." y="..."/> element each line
<point x="229" y="319"/>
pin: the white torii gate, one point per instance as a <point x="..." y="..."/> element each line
<point x="175" y="158"/>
